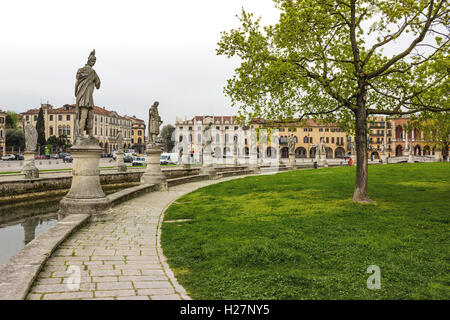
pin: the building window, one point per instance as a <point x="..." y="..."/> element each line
<point x="328" y="140"/>
<point x="181" y="138"/>
<point x="35" y="118"/>
<point x="51" y="131"/>
<point x="310" y="140"/>
<point x="51" y="117"/>
<point x="199" y="138"/>
<point x="235" y="128"/>
<point x="190" y="128"/>
<point x="217" y="128"/>
<point x="320" y="129"/>
<point x="217" y="138"/>
<point x="190" y="137"/>
<point x="139" y="133"/>
<point x="226" y="138"/>
<point x="68" y="117"/>
<point x="305" y="139"/>
<point x="27" y="118"/>
<point x="226" y="128"/>
<point x="132" y="132"/>
<point x="60" y="118"/>
<point x="181" y="128"/>
<point x="332" y="139"/>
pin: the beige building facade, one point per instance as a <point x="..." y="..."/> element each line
<point x="59" y="121"/>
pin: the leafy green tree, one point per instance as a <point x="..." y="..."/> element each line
<point x="436" y="129"/>
<point x="15" y="139"/>
<point x="12" y="120"/>
<point x="342" y="61"/>
<point x="166" y="137"/>
<point x="40" y="127"/>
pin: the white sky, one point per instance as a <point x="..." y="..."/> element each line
<point x="146" y="51"/>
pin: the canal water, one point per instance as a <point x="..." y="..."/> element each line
<point x="21" y="223"/>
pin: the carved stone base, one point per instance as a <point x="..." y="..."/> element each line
<point x="153" y="173"/>
<point x="29" y="169"/>
<point x="411" y="158"/>
<point x="120" y="165"/>
<point x="323" y="162"/>
<point x="384" y="159"/>
<point x="291" y="163"/>
<point x="85" y="194"/>
<point x="438" y="155"/>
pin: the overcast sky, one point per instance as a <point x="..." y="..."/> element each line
<point x="146" y="51"/>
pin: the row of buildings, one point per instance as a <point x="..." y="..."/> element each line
<point x="225" y="129"/>
<point x="107" y="124"/>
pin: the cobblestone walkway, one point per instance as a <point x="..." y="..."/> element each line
<point x="117" y="259"/>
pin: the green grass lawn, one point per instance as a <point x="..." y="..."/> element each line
<point x="298" y="235"/>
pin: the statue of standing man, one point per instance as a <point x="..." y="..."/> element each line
<point x="87" y="79"/>
<point x="154" y="122"/>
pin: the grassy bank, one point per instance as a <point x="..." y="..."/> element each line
<point x="298" y="235"/>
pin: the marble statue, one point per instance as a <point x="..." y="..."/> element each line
<point x="207" y="139"/>
<point x="253" y="141"/>
<point x="31" y="137"/>
<point x="317" y="149"/>
<point x="291" y="143"/>
<point x="323" y="150"/>
<point x="411" y="148"/>
<point x="87" y="79"/>
<point x="154" y="122"/>
<point x="119" y="140"/>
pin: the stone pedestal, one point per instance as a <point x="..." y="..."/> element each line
<point x="291" y="163"/>
<point x="411" y="157"/>
<point x="153" y="173"/>
<point x="208" y="167"/>
<point x="438" y="155"/>
<point x="86" y="194"/>
<point x="29" y="168"/>
<point x="235" y="159"/>
<point x="120" y="165"/>
<point x="253" y="162"/>
<point x="384" y="158"/>
<point x="323" y="161"/>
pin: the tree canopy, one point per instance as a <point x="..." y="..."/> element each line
<point x="342" y="61"/>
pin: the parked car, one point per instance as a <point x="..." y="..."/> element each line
<point x="68" y="158"/>
<point x="19" y="156"/>
<point x="8" y="157"/>
<point x="62" y="155"/>
<point x="54" y="156"/>
<point x="169" y="158"/>
<point x="127" y="158"/>
<point x="139" y="161"/>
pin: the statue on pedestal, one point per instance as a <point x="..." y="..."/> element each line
<point x="87" y="79"/>
<point x="29" y="168"/>
<point x="154" y="122"/>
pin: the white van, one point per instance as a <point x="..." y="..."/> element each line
<point x="169" y="158"/>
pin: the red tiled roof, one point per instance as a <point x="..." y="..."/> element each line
<point x="293" y="123"/>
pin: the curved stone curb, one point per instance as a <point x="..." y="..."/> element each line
<point x="162" y="258"/>
<point x="18" y="273"/>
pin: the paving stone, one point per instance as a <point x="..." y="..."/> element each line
<point x="155" y="292"/>
<point x="114" y="293"/>
<point x="152" y="285"/>
<point x="114" y="285"/>
<point x="101" y="273"/>
<point x="104" y="279"/>
<point x="143" y="278"/>
<point x="134" y="298"/>
<point x="166" y="297"/>
<point x="68" y="295"/>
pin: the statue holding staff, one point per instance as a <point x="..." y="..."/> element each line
<point x="87" y="79"/>
<point x="154" y="122"/>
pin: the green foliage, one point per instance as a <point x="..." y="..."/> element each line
<point x="319" y="60"/>
<point x="40" y="127"/>
<point x="15" y="139"/>
<point x="298" y="235"/>
<point x="436" y="129"/>
<point x="12" y="120"/>
<point x="166" y="137"/>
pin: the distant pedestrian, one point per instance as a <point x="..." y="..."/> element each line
<point x="350" y="162"/>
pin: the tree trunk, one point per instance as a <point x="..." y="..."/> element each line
<point x="362" y="162"/>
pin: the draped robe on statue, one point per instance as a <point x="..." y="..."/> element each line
<point x="84" y="88"/>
